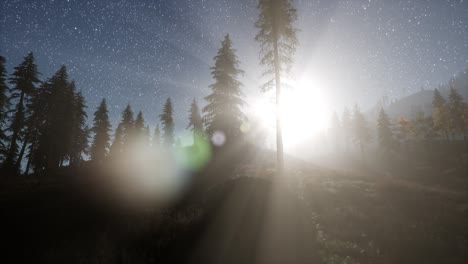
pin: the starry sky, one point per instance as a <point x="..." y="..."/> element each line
<point x="142" y="51"/>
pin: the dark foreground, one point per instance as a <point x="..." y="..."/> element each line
<point x="316" y="216"/>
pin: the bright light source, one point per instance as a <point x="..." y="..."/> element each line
<point x="304" y="111"/>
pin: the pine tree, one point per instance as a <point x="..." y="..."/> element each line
<point x="277" y="39"/>
<point x="140" y="130"/>
<point x="223" y="111"/>
<point x="4" y="106"/>
<point x="168" y="123"/>
<point x="37" y="128"/>
<point x="127" y="126"/>
<point x="456" y="112"/>
<point x="79" y="134"/>
<point x="25" y="78"/>
<point x="384" y="132"/>
<point x="140" y="125"/>
<point x="195" y="120"/>
<point x="101" y="129"/>
<point x="117" y="144"/>
<point x="60" y="119"/>
<point x="361" y="133"/>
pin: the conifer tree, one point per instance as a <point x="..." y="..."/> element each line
<point x="223" y="111"/>
<point x="168" y="123"/>
<point x="117" y="144"/>
<point x="139" y="130"/>
<point x="127" y="128"/>
<point x="277" y="39"/>
<point x="195" y="120"/>
<point x="384" y="132"/>
<point x="101" y="129"/>
<point x="361" y="133"/>
<point x="140" y="125"/>
<point x="4" y="106"/>
<point x="78" y="136"/>
<point x="25" y="79"/>
<point x="60" y="119"/>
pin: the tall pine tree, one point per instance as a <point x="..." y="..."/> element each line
<point x="117" y="144"/>
<point x="168" y="123"/>
<point x="101" y="129"/>
<point x="25" y="79"/>
<point x="127" y="125"/>
<point x="278" y="41"/>
<point x="140" y="130"/>
<point x="223" y="111"/>
<point x="79" y="136"/>
<point x="4" y="106"/>
<point x="195" y="120"/>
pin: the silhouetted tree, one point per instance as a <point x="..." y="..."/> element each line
<point x="195" y="120"/>
<point x="140" y="124"/>
<point x="127" y="128"/>
<point x="384" y="132"/>
<point x="168" y="123"/>
<point x="277" y="39"/>
<point x="79" y="136"/>
<point x="101" y="129"/>
<point x="117" y="144"/>
<point x="361" y="133"/>
<point x="223" y="111"/>
<point x="140" y="129"/>
<point x="37" y="128"/>
<point x="25" y="78"/>
<point x="4" y="106"/>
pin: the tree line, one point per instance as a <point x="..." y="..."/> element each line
<point x="47" y="120"/>
<point x="44" y="123"/>
<point x="447" y="124"/>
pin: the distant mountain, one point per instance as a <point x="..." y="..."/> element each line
<point x="420" y="101"/>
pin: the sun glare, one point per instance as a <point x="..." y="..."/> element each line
<point x="304" y="112"/>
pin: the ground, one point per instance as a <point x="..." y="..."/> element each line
<point x="312" y="215"/>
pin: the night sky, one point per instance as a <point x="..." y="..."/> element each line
<point x="140" y="52"/>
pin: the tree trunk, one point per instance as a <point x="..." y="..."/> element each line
<point x="28" y="165"/>
<point x="279" y="131"/>
<point x="10" y="159"/>
<point x="21" y="154"/>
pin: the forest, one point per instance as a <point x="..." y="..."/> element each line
<point x="388" y="187"/>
